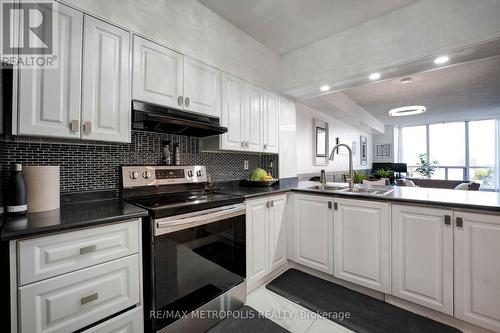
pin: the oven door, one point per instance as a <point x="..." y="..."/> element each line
<point x="197" y="257"/>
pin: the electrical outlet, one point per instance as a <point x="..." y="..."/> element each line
<point x="245" y="165"/>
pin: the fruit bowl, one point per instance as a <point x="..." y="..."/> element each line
<point x="258" y="183"/>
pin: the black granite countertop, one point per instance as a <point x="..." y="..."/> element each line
<point x="69" y="216"/>
<point x="476" y="200"/>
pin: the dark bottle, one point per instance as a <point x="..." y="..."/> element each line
<point x="16" y="199"/>
<point x="177" y="155"/>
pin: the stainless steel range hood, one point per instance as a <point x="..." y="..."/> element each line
<point x="155" y="118"/>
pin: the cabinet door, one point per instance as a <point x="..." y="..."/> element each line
<point x="232" y="115"/>
<point x="106" y="82"/>
<point x="477" y="269"/>
<point x="253" y="118"/>
<point x="201" y="88"/>
<point x="422" y="256"/>
<point x="313" y="232"/>
<point x="157" y="74"/>
<point x="257" y="239"/>
<point x="270" y="123"/>
<point x="50" y="99"/>
<point x="277" y="233"/>
<point x="361" y="238"/>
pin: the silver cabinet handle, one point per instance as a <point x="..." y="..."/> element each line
<point x="265" y="146"/>
<point x="179" y="100"/>
<point x="247" y="144"/>
<point x="89" y="298"/>
<point x="447" y="220"/>
<point x="243" y="144"/>
<point x="87" y="127"/>
<point x="459" y="222"/>
<point x="88" y="249"/>
<point x="186" y="102"/>
<point x="272" y="203"/>
<point x="73" y="125"/>
<point x="267" y="204"/>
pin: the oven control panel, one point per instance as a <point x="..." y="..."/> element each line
<point x="143" y="175"/>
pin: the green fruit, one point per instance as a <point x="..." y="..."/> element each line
<point x="257" y="174"/>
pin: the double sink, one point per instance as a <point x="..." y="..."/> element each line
<point x="382" y="191"/>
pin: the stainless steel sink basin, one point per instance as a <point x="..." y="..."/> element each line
<point x="370" y="191"/>
<point x="327" y="188"/>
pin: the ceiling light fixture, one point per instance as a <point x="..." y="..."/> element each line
<point x="374" y="76"/>
<point x="408" y="110"/>
<point x="324" y="88"/>
<point x="441" y="60"/>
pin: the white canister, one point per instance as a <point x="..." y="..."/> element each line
<point x="42" y="187"/>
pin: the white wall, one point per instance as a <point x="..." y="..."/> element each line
<point x="194" y="30"/>
<point x="419" y="30"/>
<point x="337" y="128"/>
<point x="387" y="138"/>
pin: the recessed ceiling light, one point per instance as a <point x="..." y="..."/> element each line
<point x="324" y="88"/>
<point x="407" y="111"/>
<point x="374" y="76"/>
<point x="441" y="60"/>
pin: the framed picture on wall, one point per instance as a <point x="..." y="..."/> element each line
<point x="363" y="150"/>
<point x="320" y="140"/>
<point x="383" y="150"/>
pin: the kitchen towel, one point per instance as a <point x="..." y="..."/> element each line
<point x="43" y="191"/>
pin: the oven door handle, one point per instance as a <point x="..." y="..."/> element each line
<point x="175" y="223"/>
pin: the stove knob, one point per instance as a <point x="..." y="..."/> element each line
<point x="146" y="174"/>
<point x="190" y="173"/>
<point x="133" y="174"/>
<point x="198" y="173"/>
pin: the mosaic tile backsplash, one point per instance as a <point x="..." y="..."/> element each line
<point x="90" y="166"/>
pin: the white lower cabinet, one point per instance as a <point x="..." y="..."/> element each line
<point x="131" y="321"/>
<point x="72" y="301"/>
<point x="477" y="269"/>
<point x="361" y="243"/>
<point x="422" y="256"/>
<point x="313" y="231"/>
<point x="266" y="236"/>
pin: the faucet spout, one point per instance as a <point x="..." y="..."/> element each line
<point x="351" y="170"/>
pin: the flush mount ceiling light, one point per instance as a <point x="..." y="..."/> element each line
<point x="408" y="110"/>
<point x="441" y="60"/>
<point x="374" y="76"/>
<point x="324" y="88"/>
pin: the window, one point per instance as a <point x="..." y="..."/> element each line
<point x="482" y="154"/>
<point x="464" y="150"/>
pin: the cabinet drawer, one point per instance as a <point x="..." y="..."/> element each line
<point x="128" y="322"/>
<point x="46" y="257"/>
<point x="72" y="301"/>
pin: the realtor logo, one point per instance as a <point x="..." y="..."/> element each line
<point x="29" y="33"/>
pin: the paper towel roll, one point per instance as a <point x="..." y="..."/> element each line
<point x="42" y="184"/>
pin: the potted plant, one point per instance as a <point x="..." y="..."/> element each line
<point x="425" y="167"/>
<point x="384" y="173"/>
<point x="358" y="177"/>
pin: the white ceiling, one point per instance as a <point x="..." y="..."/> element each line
<point x="285" y="25"/>
<point x="464" y="91"/>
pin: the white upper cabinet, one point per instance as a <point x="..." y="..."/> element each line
<point x="233" y="115"/>
<point x="50" y="99"/>
<point x="361" y="243"/>
<point x="157" y="74"/>
<point x="422" y="256"/>
<point x="313" y="231"/>
<point x="477" y="269"/>
<point x="253" y="118"/>
<point x="106" y="82"/>
<point x="201" y="88"/>
<point x="270" y="123"/>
